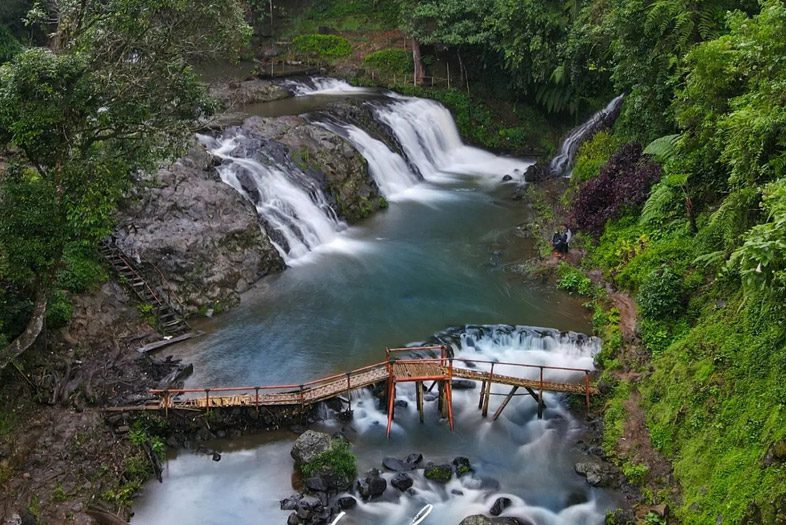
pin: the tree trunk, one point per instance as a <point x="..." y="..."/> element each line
<point x="418" y="73"/>
<point x="19" y="345"/>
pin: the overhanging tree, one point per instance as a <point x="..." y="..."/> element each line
<point x="116" y="93"/>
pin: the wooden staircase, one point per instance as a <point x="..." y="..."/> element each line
<point x="168" y="321"/>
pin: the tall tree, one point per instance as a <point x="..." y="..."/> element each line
<point x="116" y="94"/>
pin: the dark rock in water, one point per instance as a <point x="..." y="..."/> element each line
<point x="507" y="178"/>
<point x="347" y="502"/>
<point x="597" y="474"/>
<point x="430" y="396"/>
<point x="396" y="465"/>
<point x="537" y="172"/>
<point x="291" y="502"/>
<point x="372" y="486"/>
<point x="293" y="519"/>
<point x="216" y="456"/>
<point x="462" y="466"/>
<point x="401" y="403"/>
<point x="575" y="498"/>
<point x="438" y="473"/>
<point x="402" y="481"/>
<point x="500" y="504"/>
<point x="414" y="459"/>
<point x="309" y="445"/>
<point x="463" y="384"/>
<point x="457" y="492"/>
<point x="316" y="484"/>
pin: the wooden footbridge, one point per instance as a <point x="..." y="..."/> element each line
<point x="422" y="365"/>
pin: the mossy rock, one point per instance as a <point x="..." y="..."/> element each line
<point x="438" y="473"/>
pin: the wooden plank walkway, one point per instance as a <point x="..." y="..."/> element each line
<point x="393" y="370"/>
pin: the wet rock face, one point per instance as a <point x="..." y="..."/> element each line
<point x="234" y="94"/>
<point x="201" y="241"/>
<point x="309" y="445"/>
<point x="327" y="158"/>
<point x="480" y="519"/>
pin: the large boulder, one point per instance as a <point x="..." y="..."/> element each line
<point x="309" y="445"/>
<point x="328" y="158"/>
<point x="197" y="239"/>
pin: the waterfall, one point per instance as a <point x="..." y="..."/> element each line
<point x="388" y="169"/>
<point x="563" y="162"/>
<point x="322" y="86"/>
<point x="290" y="203"/>
<point x="429" y="136"/>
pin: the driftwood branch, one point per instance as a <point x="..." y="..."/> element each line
<point x="34" y="327"/>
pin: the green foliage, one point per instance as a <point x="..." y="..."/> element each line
<point x="338" y="460"/>
<point x="614" y="417"/>
<point x="9" y="46"/>
<point x="323" y="47"/>
<point x="661" y="295"/>
<point x="635" y="472"/>
<point x="593" y="154"/>
<point x="119" y="95"/>
<point x="761" y="260"/>
<point x="59" y="310"/>
<point x="390" y="61"/>
<point x="663" y="148"/>
<point x="573" y="280"/>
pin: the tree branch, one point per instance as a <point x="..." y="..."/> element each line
<point x="19" y="345"/>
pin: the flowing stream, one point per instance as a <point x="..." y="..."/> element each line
<point x="437" y="265"/>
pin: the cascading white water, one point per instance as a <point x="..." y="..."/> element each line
<point x="322" y="86"/>
<point x="540" y="487"/>
<point x="428" y="134"/>
<point x="563" y="162"/>
<point x="387" y="168"/>
<point x="290" y="203"/>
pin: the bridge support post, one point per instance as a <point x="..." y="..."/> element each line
<point x="419" y="396"/>
<point x="482" y="394"/>
<point x="586" y="394"/>
<point x="166" y="403"/>
<point x="256" y="400"/>
<point x="449" y="403"/>
<point x="540" y="396"/>
<point x="349" y="391"/>
<point x="504" y="403"/>
<point x="488" y="392"/>
<point x="441" y="404"/>
<point x="391" y="403"/>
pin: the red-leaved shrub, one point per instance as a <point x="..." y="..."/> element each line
<point x="624" y="182"/>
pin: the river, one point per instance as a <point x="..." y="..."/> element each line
<point x="441" y="257"/>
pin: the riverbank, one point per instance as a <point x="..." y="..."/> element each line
<point x="618" y="430"/>
<point x="116" y="457"/>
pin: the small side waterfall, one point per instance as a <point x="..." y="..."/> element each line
<point x="296" y="213"/>
<point x="563" y="162"/>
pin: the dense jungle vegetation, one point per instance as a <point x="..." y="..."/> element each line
<point x="682" y="204"/>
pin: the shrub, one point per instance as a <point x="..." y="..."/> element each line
<point x="592" y="155"/>
<point x="323" y="46"/>
<point x="635" y="472"/>
<point x="58" y="310"/>
<point x="390" y="61"/>
<point x="338" y="460"/>
<point x="573" y="281"/>
<point x="81" y="272"/>
<point x="623" y="184"/>
<point x="662" y="294"/>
